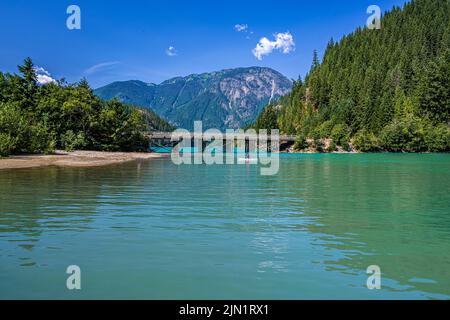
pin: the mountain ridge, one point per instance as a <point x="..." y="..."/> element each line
<point x="228" y="98"/>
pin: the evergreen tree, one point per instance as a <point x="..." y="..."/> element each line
<point x="28" y="72"/>
<point x="316" y="62"/>
<point x="434" y="92"/>
<point x="28" y="84"/>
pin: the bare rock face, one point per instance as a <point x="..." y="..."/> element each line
<point x="225" y="99"/>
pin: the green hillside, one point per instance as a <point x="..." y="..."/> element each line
<point x="40" y="118"/>
<point x="386" y="89"/>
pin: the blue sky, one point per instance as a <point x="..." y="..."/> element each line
<point x="123" y="40"/>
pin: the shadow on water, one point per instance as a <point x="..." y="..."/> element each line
<point x="385" y="210"/>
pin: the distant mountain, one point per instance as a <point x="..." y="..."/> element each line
<point x="225" y="99"/>
<point x="155" y="122"/>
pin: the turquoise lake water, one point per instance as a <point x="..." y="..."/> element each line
<point x="154" y="230"/>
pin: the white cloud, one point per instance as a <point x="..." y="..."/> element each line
<point x="240" y="27"/>
<point x="43" y="76"/>
<point x="283" y="42"/>
<point x="171" y="51"/>
<point x="100" y="66"/>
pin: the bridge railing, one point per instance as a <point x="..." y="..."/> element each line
<point x="168" y="135"/>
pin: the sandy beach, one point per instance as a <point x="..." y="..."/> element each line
<point x="74" y="159"/>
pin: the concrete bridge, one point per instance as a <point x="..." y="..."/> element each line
<point x="164" y="139"/>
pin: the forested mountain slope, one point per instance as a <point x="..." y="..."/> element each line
<point x="386" y="89"/>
